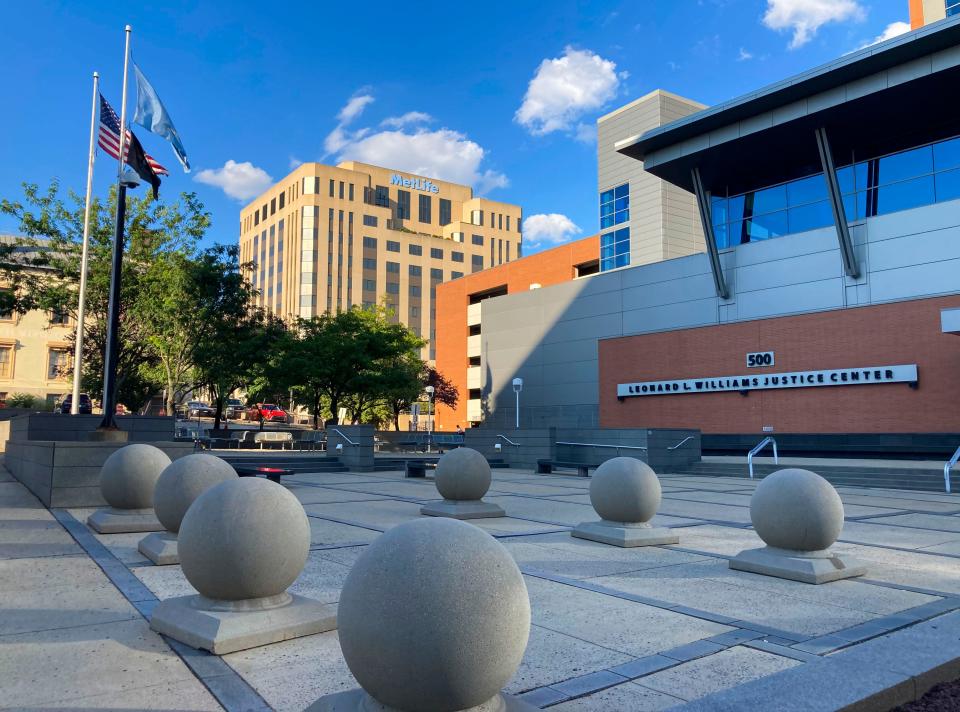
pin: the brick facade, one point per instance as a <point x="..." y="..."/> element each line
<point x="897" y="333"/>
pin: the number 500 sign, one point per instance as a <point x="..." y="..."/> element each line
<point x="760" y="358"/>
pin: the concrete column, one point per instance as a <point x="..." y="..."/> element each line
<point x="356" y="452"/>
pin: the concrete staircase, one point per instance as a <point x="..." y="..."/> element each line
<point x="887" y="474"/>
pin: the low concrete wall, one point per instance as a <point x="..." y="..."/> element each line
<point x="655" y="441"/>
<point x="54" y="426"/>
<point x="518" y="448"/>
<point x="67" y="474"/>
<point x="357" y="457"/>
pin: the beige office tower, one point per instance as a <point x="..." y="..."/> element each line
<point x="642" y="218"/>
<point x="327" y="238"/>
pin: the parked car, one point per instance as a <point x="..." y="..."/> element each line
<point x="85" y="407"/>
<point x="199" y="409"/>
<point x="233" y="408"/>
<point x="272" y="412"/>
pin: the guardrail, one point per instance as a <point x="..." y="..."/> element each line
<point x="686" y="439"/>
<point x="616" y="447"/>
<point x="343" y="435"/>
<point x="948" y="466"/>
<point x="757" y="448"/>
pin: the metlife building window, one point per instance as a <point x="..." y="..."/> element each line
<point x="615" y="249"/>
<point x="615" y="206"/>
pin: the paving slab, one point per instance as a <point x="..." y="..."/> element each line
<point x="940" y="522"/>
<point x="906" y="568"/>
<point x="727" y="668"/>
<point x="899" y="536"/>
<point x="25" y="534"/>
<point x="625" y="626"/>
<point x="180" y="695"/>
<point x="325" y="533"/>
<point x="325" y="495"/>
<point x="531" y="488"/>
<point x="420" y="491"/>
<point x="705" y="510"/>
<point x="377" y="514"/>
<point x="627" y="696"/>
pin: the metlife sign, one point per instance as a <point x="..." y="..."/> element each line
<point x="415" y="183"/>
<point x="863" y="376"/>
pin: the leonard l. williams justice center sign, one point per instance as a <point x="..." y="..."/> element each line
<point x="905" y="373"/>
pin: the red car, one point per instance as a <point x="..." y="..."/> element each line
<point x="270" y="412"/>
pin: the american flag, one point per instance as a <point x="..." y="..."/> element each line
<point x="109" y="137"/>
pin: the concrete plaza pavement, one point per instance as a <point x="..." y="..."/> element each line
<point x="613" y="629"/>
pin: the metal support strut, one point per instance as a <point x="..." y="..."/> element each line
<point x="706" y="219"/>
<point x="850" y="265"/>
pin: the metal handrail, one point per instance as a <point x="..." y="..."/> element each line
<point x="504" y="437"/>
<point x="344" y="436"/>
<point x="948" y="466"/>
<point x="674" y="447"/>
<point x="757" y="448"/>
<point x="618" y="447"/>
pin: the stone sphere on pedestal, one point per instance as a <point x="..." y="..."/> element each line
<point x="245" y="538"/>
<point x="183" y="481"/>
<point x="129" y="475"/>
<point x="796" y="509"/>
<point x="462" y="474"/>
<point x="625" y="489"/>
<point x="434" y="616"/>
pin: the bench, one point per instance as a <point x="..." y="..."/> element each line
<point x="271" y="473"/>
<point x="419" y="441"/>
<point x="312" y="440"/>
<point x="271" y="437"/>
<point x="418" y="468"/>
<point x="545" y="467"/>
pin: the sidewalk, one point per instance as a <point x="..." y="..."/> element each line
<point x="68" y="638"/>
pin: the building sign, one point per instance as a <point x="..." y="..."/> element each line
<point x="867" y="375"/>
<point x="415" y="183"/>
<point x="760" y="358"/>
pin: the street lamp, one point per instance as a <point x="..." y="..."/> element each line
<point x="517" y="387"/>
<point x="430" y="390"/>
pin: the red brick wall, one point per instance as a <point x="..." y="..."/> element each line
<point x="545" y="268"/>
<point x="889" y="334"/>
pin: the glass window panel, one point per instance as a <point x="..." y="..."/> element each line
<point x="807" y="190"/>
<point x="606" y="264"/>
<point x="622" y="260"/>
<point x="720" y="233"/>
<point x="948" y="185"/>
<point x="623" y="234"/>
<point x="621" y="217"/>
<point x="810" y="217"/>
<point x="763" y="227"/>
<point x="736" y="207"/>
<point x="905" y="165"/>
<point x="905" y="195"/>
<point x="769" y="199"/>
<point x="622" y="248"/>
<point x="606" y="222"/>
<point x="621" y="191"/>
<point x="719" y="210"/>
<point x="621" y="204"/>
<point x="606" y="251"/>
<point x="606" y="238"/>
<point x="850" y="207"/>
<point x="606" y="209"/>
<point x="946" y="154"/>
<point x="845" y="179"/>
<point x="606" y="196"/>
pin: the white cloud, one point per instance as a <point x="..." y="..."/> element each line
<point x="744" y="55"/>
<point x="436" y="153"/>
<point x="241" y="181"/>
<point x="805" y="17"/>
<point x="353" y="108"/>
<point x="551" y="228"/>
<point x="565" y="88"/>
<point x="586" y="133"/>
<point x="894" y="29"/>
<point x="411" y="117"/>
<point x="294" y="162"/>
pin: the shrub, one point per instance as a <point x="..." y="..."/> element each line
<point x="23" y="400"/>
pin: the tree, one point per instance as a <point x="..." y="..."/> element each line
<point x="43" y="271"/>
<point x="444" y="391"/>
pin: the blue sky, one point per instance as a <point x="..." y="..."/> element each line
<point x="505" y="96"/>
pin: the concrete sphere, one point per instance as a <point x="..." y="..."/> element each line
<point x="244" y="538"/>
<point x="796" y="509"/>
<point x="462" y="474"/>
<point x="182" y="482"/>
<point x="625" y="489"/>
<point x="434" y="616"/>
<point x="129" y="475"/>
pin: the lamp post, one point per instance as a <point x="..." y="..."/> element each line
<point x="430" y="390"/>
<point x="517" y="387"/>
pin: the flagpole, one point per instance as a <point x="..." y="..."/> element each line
<point x="81" y="305"/>
<point x="109" y="403"/>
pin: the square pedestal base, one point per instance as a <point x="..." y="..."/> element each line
<point x="807" y="567"/>
<point x="359" y="701"/>
<point x="124" y="521"/>
<point x="626" y="535"/>
<point x="190" y="620"/>
<point x="160" y="548"/>
<point x="474" y="509"/>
